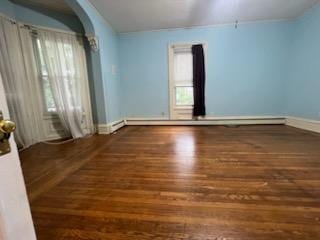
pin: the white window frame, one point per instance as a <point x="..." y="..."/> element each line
<point x="179" y="112"/>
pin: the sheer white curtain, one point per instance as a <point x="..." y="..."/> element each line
<point x="65" y="62"/>
<point x="18" y="71"/>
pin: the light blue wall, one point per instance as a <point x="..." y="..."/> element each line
<point x="303" y="85"/>
<point x="48" y="18"/>
<point x="246" y="69"/>
<point x="7" y="8"/>
<point x="107" y="91"/>
<point x="36" y="16"/>
<point x="109" y="54"/>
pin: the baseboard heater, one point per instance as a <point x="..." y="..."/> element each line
<point x="305" y="124"/>
<point x="212" y="121"/>
<point x="116" y="125"/>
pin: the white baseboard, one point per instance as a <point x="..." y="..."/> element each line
<point x="111" y="127"/>
<point x="250" y="120"/>
<point x="302" y="123"/>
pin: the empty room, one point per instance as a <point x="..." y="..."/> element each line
<point x="159" y="119"/>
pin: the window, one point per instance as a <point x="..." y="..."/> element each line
<point x="49" y="104"/>
<point x="183" y="77"/>
<point x="67" y="73"/>
<point x="181" y="81"/>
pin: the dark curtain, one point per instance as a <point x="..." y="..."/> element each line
<point x="199" y="79"/>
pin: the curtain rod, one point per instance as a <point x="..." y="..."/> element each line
<point x="50" y="29"/>
<point x="8" y="17"/>
<point x="37" y="26"/>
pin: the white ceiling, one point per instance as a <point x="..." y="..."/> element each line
<point x="141" y="15"/>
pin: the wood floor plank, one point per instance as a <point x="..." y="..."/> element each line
<point x="178" y="182"/>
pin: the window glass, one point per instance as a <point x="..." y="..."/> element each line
<point x="66" y="70"/>
<point x="183" y="77"/>
<point x="184" y="96"/>
<point x="183" y="67"/>
<point x="49" y="101"/>
<point x="44" y="81"/>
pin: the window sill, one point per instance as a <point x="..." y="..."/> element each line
<point x="183" y="108"/>
<point x="48" y="116"/>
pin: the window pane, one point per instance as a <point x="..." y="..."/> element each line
<point x="183" y="67"/>
<point x="49" y="105"/>
<point x="42" y="65"/>
<point x="184" y="96"/>
<point x="49" y="101"/>
<point x="66" y="71"/>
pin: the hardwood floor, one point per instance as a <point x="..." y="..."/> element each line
<point x="204" y="182"/>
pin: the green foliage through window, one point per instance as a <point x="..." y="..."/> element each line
<point x="184" y="96"/>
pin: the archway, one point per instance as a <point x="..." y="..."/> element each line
<point x="94" y="62"/>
